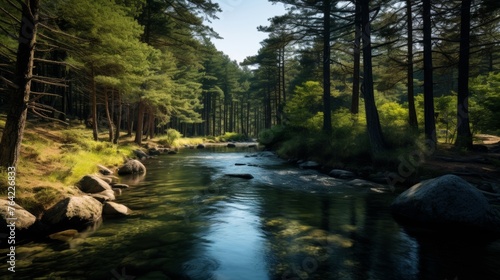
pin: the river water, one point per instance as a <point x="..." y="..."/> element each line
<point x="192" y="222"/>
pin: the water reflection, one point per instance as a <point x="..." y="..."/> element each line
<point x="191" y="222"/>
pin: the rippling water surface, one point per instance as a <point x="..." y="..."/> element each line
<point x="192" y="222"/>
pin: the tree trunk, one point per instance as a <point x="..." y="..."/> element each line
<point x="140" y="123"/>
<point x="108" y="116"/>
<point x="16" y="117"/>
<point x="429" y="117"/>
<point x="372" y="118"/>
<point x="464" y="135"/>
<point x="412" y="113"/>
<point x="357" y="57"/>
<point x="95" y="128"/>
<point x="118" y="119"/>
<point x="327" y="112"/>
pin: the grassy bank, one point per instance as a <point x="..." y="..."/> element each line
<point x="54" y="157"/>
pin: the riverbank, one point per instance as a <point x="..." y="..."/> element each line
<point x="54" y="157"/>
<point x="402" y="167"/>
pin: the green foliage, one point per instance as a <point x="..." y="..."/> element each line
<point x="304" y="107"/>
<point x="394" y="122"/>
<point x="232" y="136"/>
<point x="485" y="103"/>
<point x="170" y="137"/>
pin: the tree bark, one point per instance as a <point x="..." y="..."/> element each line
<point x="18" y="102"/>
<point x="429" y="117"/>
<point x="372" y="118"/>
<point x="464" y="135"/>
<point x="95" y="128"/>
<point x="118" y="119"/>
<point x="327" y="112"/>
<point x="357" y="57"/>
<point x="412" y="113"/>
<point x="108" y="116"/>
<point x="140" y="123"/>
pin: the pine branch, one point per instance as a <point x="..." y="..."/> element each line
<point x="34" y="111"/>
<point x="52" y="61"/>
<point x="9" y="82"/>
<point x="10" y="15"/>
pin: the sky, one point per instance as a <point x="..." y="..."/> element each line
<point x="237" y="24"/>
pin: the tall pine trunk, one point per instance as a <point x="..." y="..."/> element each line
<point x="464" y="135"/>
<point x="372" y="118"/>
<point x="95" y="128"/>
<point x="108" y="116"/>
<point x="357" y="57"/>
<point x="412" y="113"/>
<point x="140" y="123"/>
<point x="16" y="117"/>
<point x="429" y="118"/>
<point x="118" y="119"/>
<point x="327" y="111"/>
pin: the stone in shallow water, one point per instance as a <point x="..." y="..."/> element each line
<point x="242" y="176"/>
<point x="112" y="209"/>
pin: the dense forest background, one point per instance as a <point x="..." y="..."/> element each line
<point x="361" y="76"/>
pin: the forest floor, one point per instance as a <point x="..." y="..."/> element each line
<point x="475" y="166"/>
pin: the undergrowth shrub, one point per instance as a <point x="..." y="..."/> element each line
<point x="170" y="137"/>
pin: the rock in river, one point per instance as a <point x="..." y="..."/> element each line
<point x="115" y="209"/>
<point x="446" y="203"/>
<point x="242" y="176"/>
<point x="24" y="218"/>
<point x="132" y="167"/>
<point x="76" y="212"/>
<point x="341" y="174"/>
<point x="93" y="184"/>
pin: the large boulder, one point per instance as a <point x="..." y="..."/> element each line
<point x="75" y="212"/>
<point x="24" y="219"/>
<point x="132" y="167"/>
<point x="92" y="184"/>
<point x="446" y="203"/>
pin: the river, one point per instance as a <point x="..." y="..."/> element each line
<point x="190" y="221"/>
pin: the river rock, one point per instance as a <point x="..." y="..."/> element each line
<point x="104" y="170"/>
<point x="140" y="154"/>
<point x="310" y="165"/>
<point x="108" y="180"/>
<point x="231" y="145"/>
<point x="120" y="186"/>
<point x="110" y="194"/>
<point x="132" y="167"/>
<point x="65" y="235"/>
<point x="112" y="209"/>
<point x="364" y="184"/>
<point x="242" y="176"/>
<point x="24" y="218"/>
<point x="446" y="203"/>
<point x="75" y="212"/>
<point x="200" y="146"/>
<point x="154" y="152"/>
<point x="92" y="184"/>
<point x="341" y="174"/>
<point x="117" y="191"/>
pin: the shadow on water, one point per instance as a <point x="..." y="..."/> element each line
<point x="192" y="222"/>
